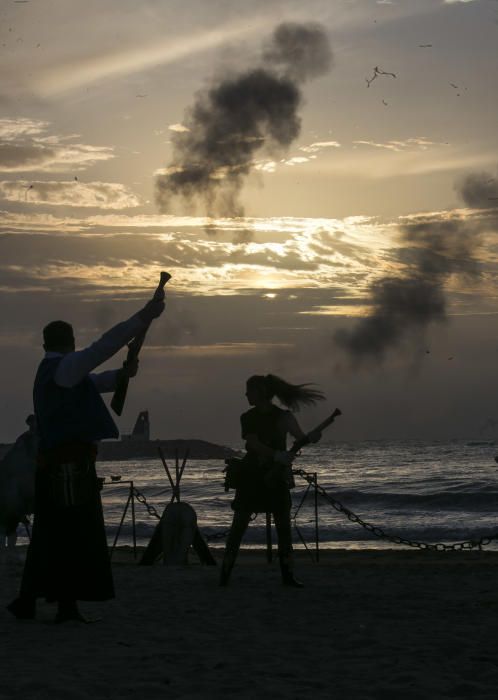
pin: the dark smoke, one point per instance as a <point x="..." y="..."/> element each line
<point x="479" y="190"/>
<point x="239" y="116"/>
<point x="301" y="51"/>
<point x="400" y="306"/>
<point x="404" y="306"/>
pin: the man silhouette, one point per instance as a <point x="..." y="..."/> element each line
<point x="67" y="558"/>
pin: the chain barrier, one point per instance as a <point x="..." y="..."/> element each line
<point x="379" y="532"/>
<point x="222" y="535"/>
<point x="354" y="518"/>
<point x="141" y="499"/>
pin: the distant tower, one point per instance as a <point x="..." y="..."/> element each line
<point x="141" y="431"/>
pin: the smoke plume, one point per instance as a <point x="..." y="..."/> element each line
<point x="432" y="251"/>
<point x="240" y="115"/>
<point x="479" y="190"/>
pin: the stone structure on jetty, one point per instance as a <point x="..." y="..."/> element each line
<point x="138" y="445"/>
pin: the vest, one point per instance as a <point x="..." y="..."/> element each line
<point x="267" y="427"/>
<point x="75" y="414"/>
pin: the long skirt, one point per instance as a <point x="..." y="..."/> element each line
<point x="68" y="557"/>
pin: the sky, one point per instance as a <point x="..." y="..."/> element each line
<point x="353" y="244"/>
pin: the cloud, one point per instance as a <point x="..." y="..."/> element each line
<point x="370" y="159"/>
<point x="12" y="129"/>
<point x="319" y="146"/>
<point x="26" y="147"/>
<point x="296" y="160"/>
<point x="179" y="128"/>
<point x="420" y="142"/>
<point x="119" y="252"/>
<point x="72" y="76"/>
<point x="107" y="195"/>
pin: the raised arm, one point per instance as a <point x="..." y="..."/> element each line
<point x="105" y="382"/>
<point x="75" y="366"/>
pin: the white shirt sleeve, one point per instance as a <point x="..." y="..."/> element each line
<point x="105" y="381"/>
<point x="75" y="366"/>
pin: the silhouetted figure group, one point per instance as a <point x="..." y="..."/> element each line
<point x="67" y="559"/>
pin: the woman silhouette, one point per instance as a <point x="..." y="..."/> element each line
<point x="266" y="474"/>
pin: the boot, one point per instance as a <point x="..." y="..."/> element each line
<point x="288" y="578"/>
<point x="68" y="610"/>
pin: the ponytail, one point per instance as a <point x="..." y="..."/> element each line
<point x="291" y="395"/>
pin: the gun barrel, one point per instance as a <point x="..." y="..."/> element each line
<point x="298" y="444"/>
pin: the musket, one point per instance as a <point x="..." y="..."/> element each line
<point x="278" y="469"/>
<point x="134" y="346"/>
<point x="305" y="440"/>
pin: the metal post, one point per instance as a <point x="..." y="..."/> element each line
<point x="269" y="552"/>
<point x="120" y="526"/>
<point x="317" y="533"/>
<point x="177" y="475"/>
<point x="166" y="469"/>
<point x="133" y="523"/>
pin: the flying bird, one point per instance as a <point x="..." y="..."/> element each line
<point x="378" y="71"/>
<point x="385" y="103"/>
<point x="425" y="46"/>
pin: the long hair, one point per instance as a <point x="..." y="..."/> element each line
<point x="291" y="395"/>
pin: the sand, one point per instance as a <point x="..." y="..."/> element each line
<point x="385" y="624"/>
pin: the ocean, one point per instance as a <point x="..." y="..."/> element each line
<point x="422" y="491"/>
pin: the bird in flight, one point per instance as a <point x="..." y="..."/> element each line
<point x="378" y="71"/>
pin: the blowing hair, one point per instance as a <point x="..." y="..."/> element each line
<point x="291" y="395"/>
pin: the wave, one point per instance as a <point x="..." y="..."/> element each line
<point x="480" y="443"/>
<point x="461" y="500"/>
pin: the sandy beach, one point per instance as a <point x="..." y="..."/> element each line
<point x="391" y="624"/>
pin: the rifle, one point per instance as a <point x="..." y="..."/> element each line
<point x="134" y="346"/>
<point x="234" y="466"/>
<point x="324" y="424"/>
